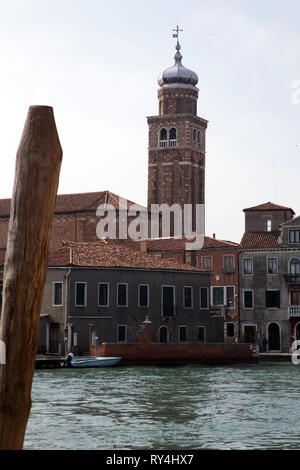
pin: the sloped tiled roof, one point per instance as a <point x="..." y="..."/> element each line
<point x="252" y="240"/>
<point x="75" y="202"/>
<point x="111" y="255"/>
<point x="295" y="221"/>
<point x="178" y="244"/>
<point x="268" y="206"/>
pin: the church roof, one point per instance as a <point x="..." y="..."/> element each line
<point x="77" y="202"/>
<point x="178" y="75"/>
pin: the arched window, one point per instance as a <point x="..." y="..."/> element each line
<point x="295" y="266"/>
<point x="194" y="135"/>
<point x="173" y="133"/>
<point x="199" y="137"/>
<point x="163" y="134"/>
<point x="163" y="334"/>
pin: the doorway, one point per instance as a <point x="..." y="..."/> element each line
<point x="250" y="333"/>
<point x="273" y="337"/>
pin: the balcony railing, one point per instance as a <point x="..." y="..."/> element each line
<point x="173" y="143"/>
<point x="294" y="311"/>
<point x="163" y="143"/>
<point x="292" y="278"/>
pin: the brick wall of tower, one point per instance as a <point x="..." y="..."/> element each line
<point x="176" y="174"/>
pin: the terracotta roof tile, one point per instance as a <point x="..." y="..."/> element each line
<point x="111" y="255"/>
<point x="178" y="244"/>
<point x="268" y="206"/>
<point x="252" y="240"/>
<point x="75" y="202"/>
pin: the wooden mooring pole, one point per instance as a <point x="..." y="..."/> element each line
<point x="37" y="171"/>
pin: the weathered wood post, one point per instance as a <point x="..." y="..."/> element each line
<point x="32" y="207"/>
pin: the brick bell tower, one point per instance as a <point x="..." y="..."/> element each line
<point x="176" y="165"/>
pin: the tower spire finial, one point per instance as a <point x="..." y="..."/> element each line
<point x="176" y="35"/>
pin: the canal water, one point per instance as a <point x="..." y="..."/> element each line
<point x="190" y="407"/>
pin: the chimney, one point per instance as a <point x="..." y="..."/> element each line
<point x="214" y="235"/>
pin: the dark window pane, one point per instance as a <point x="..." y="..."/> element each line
<point x="272" y="265"/>
<point x="230" y="296"/>
<point x="295" y="266"/>
<point x="182" y="333"/>
<point x="168" y="300"/>
<point x="163" y="134"/>
<point x="121" y="333"/>
<point x="230" y="330"/>
<point x="200" y="334"/>
<point x="163" y="334"/>
<point x="247" y="266"/>
<point x="143" y="295"/>
<point x="173" y="134"/>
<point x="103" y="294"/>
<point x="80" y="293"/>
<point x="294" y="236"/>
<point x="122" y="295"/>
<point x="248" y="299"/>
<point x="218" y="296"/>
<point x="228" y="266"/>
<point x="273" y="299"/>
<point x="188" y="297"/>
<point x="203" y="297"/>
<point x="58" y="293"/>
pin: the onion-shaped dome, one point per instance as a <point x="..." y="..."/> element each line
<point x="178" y="74"/>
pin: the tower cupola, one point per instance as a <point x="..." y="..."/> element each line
<point x="178" y="75"/>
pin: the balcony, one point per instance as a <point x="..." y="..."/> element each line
<point x="163" y="143"/>
<point x="172" y="143"/>
<point x="294" y="311"/>
<point x="292" y="278"/>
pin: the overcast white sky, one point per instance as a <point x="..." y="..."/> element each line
<point x="97" y="62"/>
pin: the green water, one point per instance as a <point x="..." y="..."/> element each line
<point x="190" y="407"/>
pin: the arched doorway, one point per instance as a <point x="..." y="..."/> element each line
<point x="273" y="337"/>
<point x="163" y="334"/>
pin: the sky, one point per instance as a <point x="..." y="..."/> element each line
<point x="97" y="64"/>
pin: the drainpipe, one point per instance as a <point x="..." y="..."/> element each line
<point x="67" y="300"/>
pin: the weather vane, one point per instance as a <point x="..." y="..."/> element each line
<point x="176" y="35"/>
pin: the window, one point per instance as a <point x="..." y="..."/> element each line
<point x="230" y="330"/>
<point x="199" y="137"/>
<point x="168" y="300"/>
<point x="191" y="258"/>
<point x="173" y="134"/>
<point x="247" y="266"/>
<point x="122" y="295"/>
<point x="248" y="299"/>
<point x="295" y="297"/>
<point x="228" y="264"/>
<point x="121" y="333"/>
<point x="143" y="295"/>
<point x="194" y="135"/>
<point x="201" y="334"/>
<point x="188" y="297"/>
<point x="204" y="297"/>
<point x="57" y="293"/>
<point x="1" y="289"/>
<point x="295" y="266"/>
<point x="294" y="236"/>
<point x="163" y="134"/>
<point x="218" y="295"/>
<point x="268" y="223"/>
<point x="230" y="296"/>
<point x="182" y="334"/>
<point x="273" y="299"/>
<point x="206" y="262"/>
<point x="80" y="294"/>
<point x="103" y="294"/>
<point x="272" y="266"/>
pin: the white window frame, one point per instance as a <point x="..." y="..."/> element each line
<point x="174" y="300"/>
<point x="227" y="306"/>
<point x="186" y="334"/>
<point x="248" y="290"/>
<point x="204" y="336"/>
<point x="211" y="262"/>
<point x="208" y="299"/>
<point x="125" y="341"/>
<point x="117" y="300"/>
<point x="247" y="274"/>
<point x="139" y="300"/>
<point x="107" y="284"/>
<point x="272" y="257"/>
<point x="53" y="294"/>
<point x="85" y="293"/>
<point x="192" y="298"/>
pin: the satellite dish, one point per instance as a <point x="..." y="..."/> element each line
<point x="279" y="240"/>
